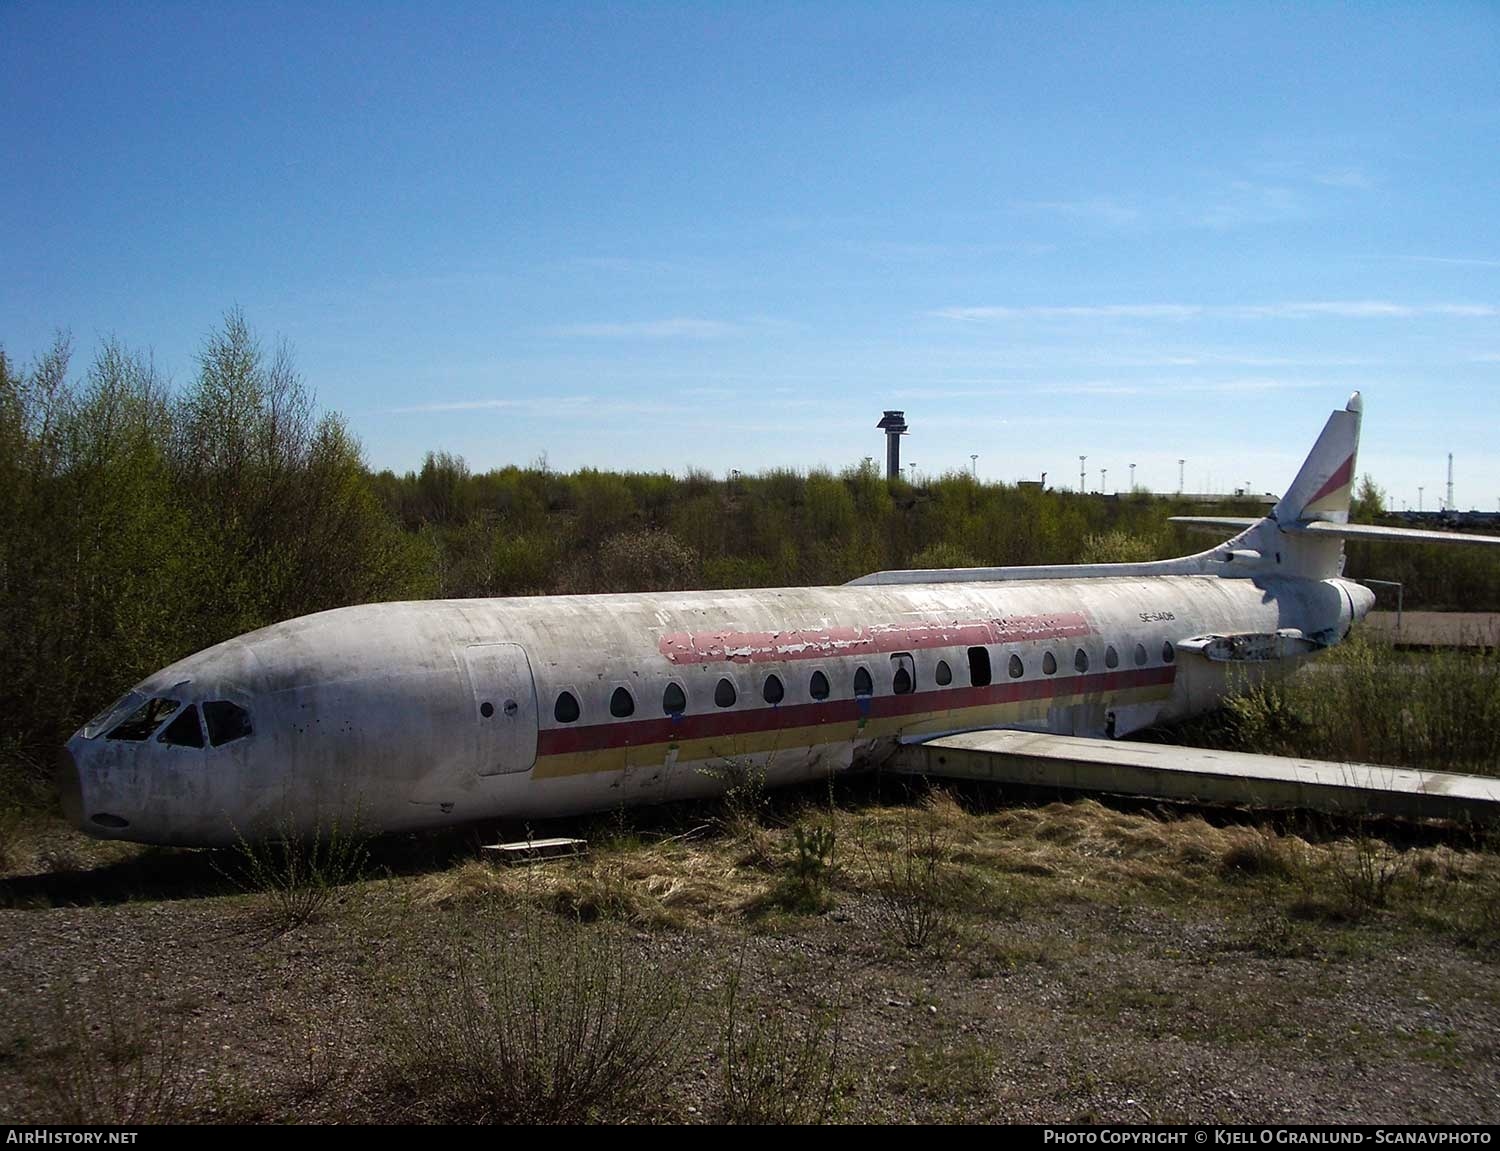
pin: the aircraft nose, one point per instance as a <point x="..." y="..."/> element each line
<point x="69" y="787"/>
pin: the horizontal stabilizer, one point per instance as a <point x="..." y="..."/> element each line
<point x="1377" y="534"/>
<point x="1213" y="523"/>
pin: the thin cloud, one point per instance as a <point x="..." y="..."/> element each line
<point x="1291" y="310"/>
<point x="1463" y="261"/>
<point x="677" y="328"/>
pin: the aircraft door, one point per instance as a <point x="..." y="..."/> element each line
<point x="504" y="707"/>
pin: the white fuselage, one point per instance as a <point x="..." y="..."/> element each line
<point x="412" y="715"/>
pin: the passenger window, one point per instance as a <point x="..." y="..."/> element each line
<point x="904" y="677"/>
<point x="1080" y="660"/>
<point x="1111" y="656"/>
<point x="184" y="731"/>
<point x="1049" y="663"/>
<point x="621" y="704"/>
<point x="226" y="721"/>
<point x="140" y="723"/>
<point x="724" y="694"/>
<point x="863" y="684"/>
<point x="979" y="666"/>
<point x="817" y="687"/>
<point x="1140" y="655"/>
<point x="944" y="674"/>
<point x="1168" y="654"/>
<point x="773" y="692"/>
<point x="566" y="710"/>
<point x="1017" y="668"/>
<point x="674" y="699"/>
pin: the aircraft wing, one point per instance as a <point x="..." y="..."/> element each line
<point x="1199" y="775"/>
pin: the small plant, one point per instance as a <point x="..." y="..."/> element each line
<point x="558" y="1024"/>
<point x="298" y="874"/>
<point x="916" y="880"/>
<point x="744" y="801"/>
<point x="116" y="1062"/>
<point x="773" y="1071"/>
<point x="1368" y="872"/>
<point x="806" y="888"/>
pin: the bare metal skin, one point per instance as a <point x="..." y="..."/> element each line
<point x="418" y="715"/>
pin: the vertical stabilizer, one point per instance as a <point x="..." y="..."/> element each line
<point x="1323" y="487"/>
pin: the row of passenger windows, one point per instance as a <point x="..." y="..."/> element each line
<point x="903" y="681"/>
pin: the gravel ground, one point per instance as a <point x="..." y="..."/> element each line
<point x="1105" y="967"/>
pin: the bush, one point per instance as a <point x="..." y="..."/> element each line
<point x="555" y="1023"/>
<point x="299" y="874"/>
<point x="806" y="888"/>
<point x="116" y="1062"/>
<point x="773" y="1070"/>
<point x="916" y="883"/>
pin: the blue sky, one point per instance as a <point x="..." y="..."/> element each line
<point x="727" y="236"/>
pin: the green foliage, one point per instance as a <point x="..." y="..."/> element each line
<point x="1368" y="503"/>
<point x="1367" y="702"/>
<point x="805" y="887"/>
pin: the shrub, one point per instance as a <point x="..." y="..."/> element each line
<point x="558" y="1023"/>
<point x="916" y="881"/>
<point x="299" y="874"/>
<point x="117" y="1061"/>
<point x="773" y="1070"/>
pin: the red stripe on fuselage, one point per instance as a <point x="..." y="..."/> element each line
<point x="708" y="725"/>
<point x="833" y="642"/>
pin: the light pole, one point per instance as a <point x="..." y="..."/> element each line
<point x="1082" y="482"/>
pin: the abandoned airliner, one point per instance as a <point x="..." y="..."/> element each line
<point x="415" y="715"/>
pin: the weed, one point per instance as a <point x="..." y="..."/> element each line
<point x="805" y="889"/>
<point x="116" y="1061"/>
<point x="916" y="881"/>
<point x="774" y="1071"/>
<point x="558" y="1023"/>
<point x="299" y="874"/>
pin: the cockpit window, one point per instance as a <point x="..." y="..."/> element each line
<point x="226" y="721"/>
<point x="140" y="723"/>
<point x="126" y="703"/>
<point x="185" y="730"/>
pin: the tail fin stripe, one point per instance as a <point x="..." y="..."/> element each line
<point x="1340" y="478"/>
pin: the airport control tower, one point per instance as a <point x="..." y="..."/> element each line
<point x="894" y="424"/>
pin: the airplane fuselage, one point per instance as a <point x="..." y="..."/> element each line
<point x="415" y="715"/>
